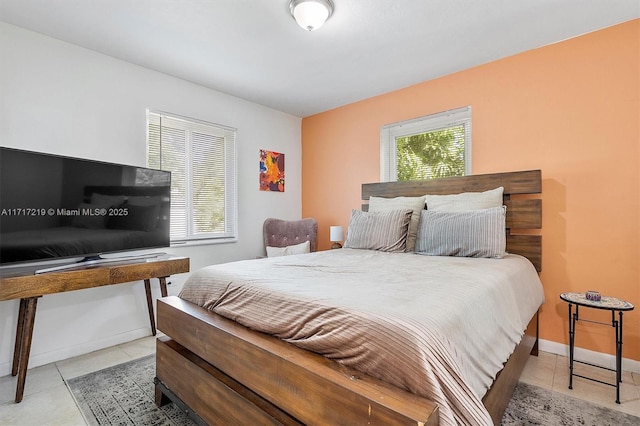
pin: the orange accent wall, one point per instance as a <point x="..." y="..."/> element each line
<point x="571" y="109"/>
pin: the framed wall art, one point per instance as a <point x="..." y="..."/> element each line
<point x="271" y="171"/>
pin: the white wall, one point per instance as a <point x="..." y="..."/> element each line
<point x="59" y="98"/>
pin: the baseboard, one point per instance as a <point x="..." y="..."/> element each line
<point x="598" y="358"/>
<point x="36" y="360"/>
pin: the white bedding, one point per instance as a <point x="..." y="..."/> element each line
<point x="441" y="327"/>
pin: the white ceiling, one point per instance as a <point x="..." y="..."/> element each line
<point x="253" y="49"/>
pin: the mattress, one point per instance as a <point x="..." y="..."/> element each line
<point x="440" y="327"/>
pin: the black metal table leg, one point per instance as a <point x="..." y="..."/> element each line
<point x="572" y="331"/>
<point x="618" y="327"/>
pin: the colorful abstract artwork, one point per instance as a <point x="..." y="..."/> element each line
<point x="271" y="171"/>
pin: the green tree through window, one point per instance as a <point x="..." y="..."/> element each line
<point x="435" y="154"/>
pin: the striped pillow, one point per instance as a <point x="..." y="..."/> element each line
<point x="383" y="231"/>
<point x="415" y="204"/>
<point x="473" y="233"/>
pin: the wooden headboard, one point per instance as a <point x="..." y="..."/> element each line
<point x="524" y="214"/>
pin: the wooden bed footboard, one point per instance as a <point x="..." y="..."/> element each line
<point x="228" y="374"/>
<point x="242" y="375"/>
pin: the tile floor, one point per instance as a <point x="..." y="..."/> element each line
<point x="47" y="401"/>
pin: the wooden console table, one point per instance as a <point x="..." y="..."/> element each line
<point x="24" y="284"/>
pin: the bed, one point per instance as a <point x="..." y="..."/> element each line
<point x="223" y="367"/>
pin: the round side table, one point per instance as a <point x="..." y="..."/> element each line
<point x="607" y="303"/>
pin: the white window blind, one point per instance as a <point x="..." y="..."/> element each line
<point x="435" y="145"/>
<point x="202" y="160"/>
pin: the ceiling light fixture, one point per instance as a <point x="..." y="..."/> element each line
<point x="311" y="14"/>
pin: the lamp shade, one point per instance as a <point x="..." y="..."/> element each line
<point x="335" y="233"/>
<point x="311" y="14"/>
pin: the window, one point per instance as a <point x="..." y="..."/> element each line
<point x="436" y="145"/>
<point x="202" y="160"/>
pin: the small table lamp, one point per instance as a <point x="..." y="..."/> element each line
<point x="336" y="236"/>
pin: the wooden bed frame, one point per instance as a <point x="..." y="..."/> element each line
<point x="223" y="373"/>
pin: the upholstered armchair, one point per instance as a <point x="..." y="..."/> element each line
<point x="284" y="233"/>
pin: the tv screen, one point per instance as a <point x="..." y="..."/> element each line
<point x="55" y="207"/>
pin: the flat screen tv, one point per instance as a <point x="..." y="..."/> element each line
<point x="54" y="207"/>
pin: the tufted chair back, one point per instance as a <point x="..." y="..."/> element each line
<point x="282" y="233"/>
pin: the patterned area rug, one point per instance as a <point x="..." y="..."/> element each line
<point x="532" y="405"/>
<point x="124" y="395"/>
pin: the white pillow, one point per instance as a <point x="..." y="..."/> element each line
<point x="466" y="201"/>
<point x="415" y="204"/>
<point x="301" y="248"/>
